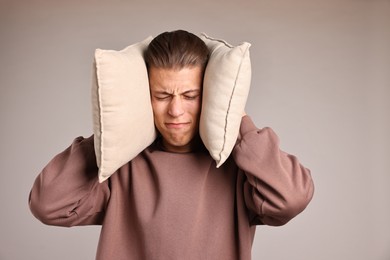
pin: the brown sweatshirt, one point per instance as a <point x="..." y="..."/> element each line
<point x="164" y="205"/>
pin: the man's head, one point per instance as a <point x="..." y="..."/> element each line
<point x="176" y="62"/>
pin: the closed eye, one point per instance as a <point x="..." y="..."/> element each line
<point x="162" y="97"/>
<point x="187" y="95"/>
<point x="191" y="94"/>
<point x="191" y="97"/>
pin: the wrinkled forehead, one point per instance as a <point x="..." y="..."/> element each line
<point x="176" y="80"/>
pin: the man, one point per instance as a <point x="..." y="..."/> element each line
<point x="171" y="202"/>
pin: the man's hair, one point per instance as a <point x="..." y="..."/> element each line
<point x="176" y="50"/>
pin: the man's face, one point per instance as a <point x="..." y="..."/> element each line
<point x="176" y="101"/>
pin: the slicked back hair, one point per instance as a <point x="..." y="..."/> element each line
<point x="176" y="50"/>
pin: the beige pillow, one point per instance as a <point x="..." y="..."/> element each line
<point x="122" y="112"/>
<point x="225" y="90"/>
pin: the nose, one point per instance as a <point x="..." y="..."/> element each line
<point x="176" y="107"/>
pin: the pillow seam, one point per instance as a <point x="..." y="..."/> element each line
<point x="229" y="106"/>
<point x="98" y="79"/>
<point x="218" y="40"/>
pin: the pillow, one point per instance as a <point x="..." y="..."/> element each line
<point x="123" y="122"/>
<point x="225" y="91"/>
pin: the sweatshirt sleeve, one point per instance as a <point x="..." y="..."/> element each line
<point x="67" y="191"/>
<point x="277" y="187"/>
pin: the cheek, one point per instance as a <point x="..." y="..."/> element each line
<point x="156" y="116"/>
<point x="196" y="107"/>
<point x="157" y="108"/>
<point x="193" y="112"/>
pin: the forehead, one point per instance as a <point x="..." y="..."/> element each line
<point x="163" y="79"/>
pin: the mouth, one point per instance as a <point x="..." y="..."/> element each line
<point x="176" y="125"/>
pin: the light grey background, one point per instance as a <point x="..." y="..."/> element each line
<point x="320" y="80"/>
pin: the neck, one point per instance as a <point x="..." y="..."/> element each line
<point x="195" y="145"/>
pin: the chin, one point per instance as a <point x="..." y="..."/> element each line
<point x="179" y="143"/>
